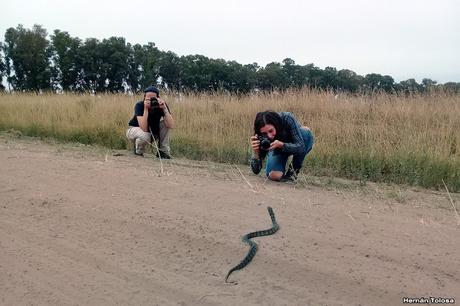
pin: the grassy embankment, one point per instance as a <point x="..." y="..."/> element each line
<point x="405" y="140"/>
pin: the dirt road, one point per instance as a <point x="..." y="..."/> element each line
<point x="80" y="226"/>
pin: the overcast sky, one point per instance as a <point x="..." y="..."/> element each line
<point x="404" y="39"/>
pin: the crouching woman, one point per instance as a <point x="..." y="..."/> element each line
<point x="276" y="137"/>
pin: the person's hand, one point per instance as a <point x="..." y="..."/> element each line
<point x="147" y="103"/>
<point x="276" y="145"/>
<point x="161" y="104"/>
<point x="255" y="144"/>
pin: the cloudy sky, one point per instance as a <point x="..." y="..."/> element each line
<point x="404" y="39"/>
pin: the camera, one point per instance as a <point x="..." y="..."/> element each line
<point x="264" y="142"/>
<point x="154" y="102"/>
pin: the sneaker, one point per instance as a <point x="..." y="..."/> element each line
<point x="136" y="153"/>
<point x="163" y="155"/>
<point x="291" y="174"/>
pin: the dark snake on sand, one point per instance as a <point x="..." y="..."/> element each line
<point x="253" y="245"/>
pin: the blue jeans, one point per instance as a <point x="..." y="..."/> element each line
<point x="276" y="161"/>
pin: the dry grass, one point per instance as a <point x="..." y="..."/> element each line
<point x="413" y="139"/>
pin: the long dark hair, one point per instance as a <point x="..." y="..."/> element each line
<point x="273" y="118"/>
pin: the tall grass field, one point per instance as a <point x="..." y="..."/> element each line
<point x="405" y="139"/>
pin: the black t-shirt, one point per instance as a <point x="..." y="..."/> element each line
<point x="155" y="115"/>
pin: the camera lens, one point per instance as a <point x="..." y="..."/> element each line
<point x="154" y="102"/>
<point x="264" y="143"/>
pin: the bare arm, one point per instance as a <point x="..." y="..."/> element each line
<point x="143" y="120"/>
<point x="256" y="161"/>
<point x="168" y="118"/>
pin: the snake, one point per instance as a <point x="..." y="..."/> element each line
<point x="252" y="245"/>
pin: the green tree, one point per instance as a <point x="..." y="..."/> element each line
<point x="428" y="84"/>
<point x="295" y="75"/>
<point x="241" y="79"/>
<point x="30" y="62"/>
<point x="387" y="83"/>
<point x="114" y="53"/>
<point x="195" y="73"/>
<point x="271" y="77"/>
<point x="251" y="70"/>
<point x="330" y="78"/>
<point x="66" y="59"/>
<point x="144" y="66"/>
<point x="219" y="75"/>
<point x="91" y="75"/>
<point x="313" y="75"/>
<point x="410" y="86"/>
<point x="452" y="87"/>
<point x="378" y="82"/>
<point x="2" y="68"/>
<point x="151" y="67"/>
<point x="348" y="80"/>
<point x="27" y="54"/>
<point x="137" y="61"/>
<point x="169" y="70"/>
<point x="106" y="65"/>
<point x="372" y="81"/>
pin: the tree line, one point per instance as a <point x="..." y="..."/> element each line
<point x="30" y="61"/>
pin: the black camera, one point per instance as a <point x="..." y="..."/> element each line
<point x="154" y="102"/>
<point x="265" y="142"/>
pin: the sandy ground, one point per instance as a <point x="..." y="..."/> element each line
<point x="82" y="226"/>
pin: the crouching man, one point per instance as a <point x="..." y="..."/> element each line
<point x="151" y="117"/>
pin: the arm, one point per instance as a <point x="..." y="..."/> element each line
<point x="168" y="118"/>
<point x="143" y="120"/>
<point x="297" y="145"/>
<point x="256" y="159"/>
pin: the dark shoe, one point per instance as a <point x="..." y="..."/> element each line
<point x="163" y="155"/>
<point x="135" y="152"/>
<point x="291" y="174"/>
<point x="289" y="177"/>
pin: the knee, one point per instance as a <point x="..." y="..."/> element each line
<point x="146" y="137"/>
<point x="275" y="175"/>
<point x="163" y="126"/>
